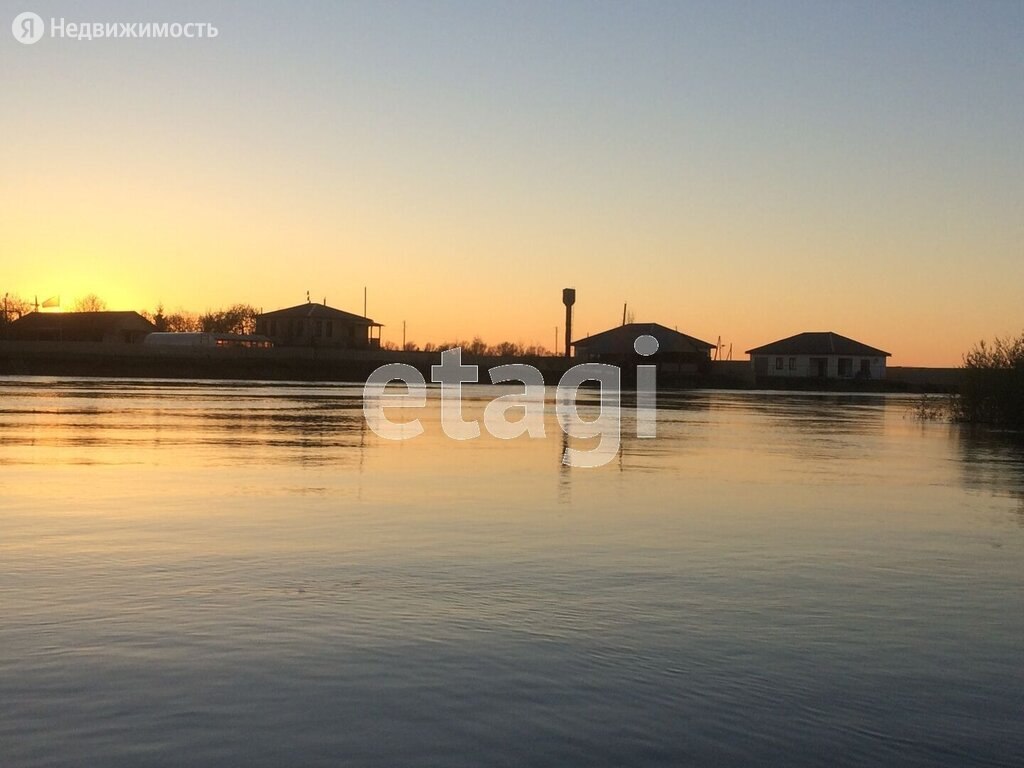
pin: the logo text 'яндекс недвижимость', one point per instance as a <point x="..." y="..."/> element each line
<point x="29" y="28"/>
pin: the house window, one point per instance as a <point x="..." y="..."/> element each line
<point x="845" y="367"/>
<point x="792" y="363"/>
<point x="865" y="366"/>
<point x="778" y="363"/>
<point x="319" y="328"/>
<point x="330" y="328"/>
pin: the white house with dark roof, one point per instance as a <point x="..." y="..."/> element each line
<point x="818" y="355"/>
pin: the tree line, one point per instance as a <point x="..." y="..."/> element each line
<point x="15" y="307"/>
<point x="241" y="318"/>
<point x="237" y="318"/>
<point x="477" y="347"/>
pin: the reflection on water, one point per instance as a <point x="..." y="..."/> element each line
<point x="218" y="573"/>
<point x="992" y="463"/>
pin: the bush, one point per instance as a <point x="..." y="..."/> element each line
<point x="992" y="391"/>
<point x="932" y="408"/>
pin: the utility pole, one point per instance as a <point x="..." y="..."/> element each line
<point x="403" y="335"/>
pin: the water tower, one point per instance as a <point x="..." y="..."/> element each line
<point x="568" y="298"/>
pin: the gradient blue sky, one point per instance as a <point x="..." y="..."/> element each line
<point x="749" y="170"/>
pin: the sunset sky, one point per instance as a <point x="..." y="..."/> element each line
<point x="744" y="170"/>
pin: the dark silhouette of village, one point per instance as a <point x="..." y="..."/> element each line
<point x="313" y="341"/>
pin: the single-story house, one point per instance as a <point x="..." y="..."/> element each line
<point x="318" y="325"/>
<point x="819" y="355"/>
<point x="109" y="327"/>
<point x="677" y="353"/>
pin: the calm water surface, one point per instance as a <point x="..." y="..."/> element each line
<point x="211" y="573"/>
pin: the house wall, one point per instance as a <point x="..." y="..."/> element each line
<point x="313" y="332"/>
<point x="71" y="333"/>
<point x="804" y="367"/>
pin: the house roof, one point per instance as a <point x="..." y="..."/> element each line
<point x="319" y="312"/>
<point x="818" y="343"/>
<point x="620" y="340"/>
<point x="97" y="321"/>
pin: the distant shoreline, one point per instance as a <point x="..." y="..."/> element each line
<point x="309" y="364"/>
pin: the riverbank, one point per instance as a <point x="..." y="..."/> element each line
<point x="309" y="364"/>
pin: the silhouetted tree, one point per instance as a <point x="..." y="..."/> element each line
<point x="90" y="303"/>
<point x="478" y="347"/>
<point x="505" y="349"/>
<point x="238" y="318"/>
<point x="156" y="318"/>
<point x="992" y="391"/>
<point x="183" y="321"/>
<point x="14" y="307"/>
<point x="159" y="319"/>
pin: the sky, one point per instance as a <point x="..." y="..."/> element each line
<point x="743" y="170"/>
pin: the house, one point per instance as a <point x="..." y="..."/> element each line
<point x="318" y="325"/>
<point x="107" y="327"/>
<point x="677" y="353"/>
<point x="819" y="355"/>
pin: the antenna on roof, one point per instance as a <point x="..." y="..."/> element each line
<point x="623" y="313"/>
<point x="307" y="297"/>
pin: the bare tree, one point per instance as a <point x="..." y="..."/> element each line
<point x="478" y="346"/>
<point x="992" y="387"/>
<point x="505" y="349"/>
<point x="183" y="321"/>
<point x="238" y="318"/>
<point x="14" y="307"/>
<point x="90" y="303"/>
